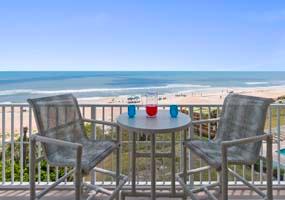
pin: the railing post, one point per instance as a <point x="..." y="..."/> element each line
<point x="12" y="143"/>
<point x="191" y="136"/>
<point x="93" y="136"/>
<point x="3" y="146"/>
<point x="278" y="143"/>
<point x="21" y="145"/>
<point x="209" y="138"/>
<point x="25" y="131"/>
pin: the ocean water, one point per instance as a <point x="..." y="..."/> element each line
<point x="16" y="87"/>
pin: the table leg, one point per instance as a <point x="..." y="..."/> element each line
<point x="184" y="159"/>
<point x="134" y="162"/>
<point x="153" y="166"/>
<point x="173" y="190"/>
<point x="185" y="156"/>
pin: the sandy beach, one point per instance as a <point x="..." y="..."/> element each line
<point x="210" y="96"/>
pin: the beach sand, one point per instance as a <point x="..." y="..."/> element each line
<point x="212" y="96"/>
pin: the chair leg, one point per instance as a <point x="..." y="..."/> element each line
<point x="78" y="184"/>
<point x="269" y="168"/>
<point x="184" y="160"/>
<point x="118" y="159"/>
<point x="220" y="180"/>
<point x="224" y="174"/>
<point x="224" y="184"/>
<point x="32" y="170"/>
<point x="78" y="174"/>
<point x="118" y="170"/>
<point x="218" y="192"/>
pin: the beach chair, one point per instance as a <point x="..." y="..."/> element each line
<point x="238" y="141"/>
<point x="65" y="144"/>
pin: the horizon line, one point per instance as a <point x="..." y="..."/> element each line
<point x="142" y="70"/>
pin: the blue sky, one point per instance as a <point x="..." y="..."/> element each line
<point x="142" y="35"/>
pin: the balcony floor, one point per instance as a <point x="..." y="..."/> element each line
<point x="69" y="195"/>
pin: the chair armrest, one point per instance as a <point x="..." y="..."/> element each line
<point x="204" y="121"/>
<point x="226" y="144"/>
<point x="225" y="169"/>
<point x="48" y="140"/>
<point x="100" y="122"/>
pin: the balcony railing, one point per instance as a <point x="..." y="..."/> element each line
<point x="17" y="124"/>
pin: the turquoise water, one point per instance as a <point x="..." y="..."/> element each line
<point x="281" y="152"/>
<point x="18" y="86"/>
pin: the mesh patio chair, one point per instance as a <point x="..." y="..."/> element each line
<point x="65" y="144"/>
<point x="238" y="141"/>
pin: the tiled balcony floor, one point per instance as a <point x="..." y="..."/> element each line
<point x="69" y="195"/>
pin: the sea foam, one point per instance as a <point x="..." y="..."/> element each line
<point x="90" y="90"/>
<point x="256" y="83"/>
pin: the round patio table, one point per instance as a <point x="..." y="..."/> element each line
<point x="162" y="123"/>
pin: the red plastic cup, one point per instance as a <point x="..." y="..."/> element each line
<point x="151" y="110"/>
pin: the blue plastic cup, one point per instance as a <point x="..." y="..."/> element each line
<point x="173" y="111"/>
<point x="131" y="111"/>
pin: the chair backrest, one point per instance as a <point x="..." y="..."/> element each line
<point x="58" y="117"/>
<point x="243" y="116"/>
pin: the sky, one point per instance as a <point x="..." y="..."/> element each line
<point x="113" y="35"/>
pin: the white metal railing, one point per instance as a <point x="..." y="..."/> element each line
<point x="17" y="124"/>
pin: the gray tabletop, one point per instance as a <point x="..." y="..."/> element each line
<point x="162" y="123"/>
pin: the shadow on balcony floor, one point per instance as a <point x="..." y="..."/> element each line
<point x="69" y="195"/>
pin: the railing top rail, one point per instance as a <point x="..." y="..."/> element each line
<point x="139" y="105"/>
<point x="114" y="105"/>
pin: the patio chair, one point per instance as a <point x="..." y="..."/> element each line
<point x="65" y="144"/>
<point x="238" y="141"/>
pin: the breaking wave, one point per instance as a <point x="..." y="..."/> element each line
<point x="90" y="90"/>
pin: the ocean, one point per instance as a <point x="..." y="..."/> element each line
<point x="16" y="87"/>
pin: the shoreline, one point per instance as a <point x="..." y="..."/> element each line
<point x="265" y="91"/>
<point x="206" y="96"/>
